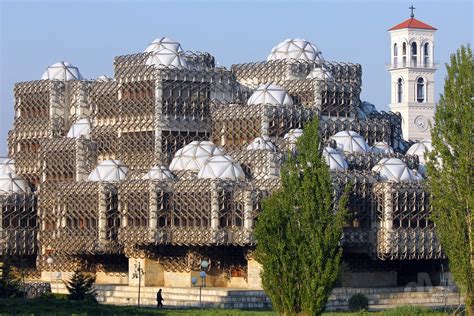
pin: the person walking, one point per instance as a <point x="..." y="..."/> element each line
<point x="159" y="299"/>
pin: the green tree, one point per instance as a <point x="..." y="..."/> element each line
<point x="450" y="171"/>
<point x="299" y="232"/>
<point x="9" y="282"/>
<point x="81" y="287"/>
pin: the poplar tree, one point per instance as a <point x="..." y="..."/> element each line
<point x="299" y="232"/>
<point x="450" y="171"/>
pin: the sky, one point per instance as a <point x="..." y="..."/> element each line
<point x="89" y="34"/>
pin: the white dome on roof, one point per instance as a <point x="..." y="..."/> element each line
<point x="262" y="143"/>
<point x="62" y="71"/>
<point x="11" y="183"/>
<point x="320" y="73"/>
<point x="420" y="149"/>
<point x="381" y="148"/>
<point x="7" y="166"/>
<point x="104" y="78"/>
<point x="350" y="141"/>
<point x="193" y="156"/>
<point x="158" y="173"/>
<point x="167" y="58"/>
<point x="334" y="159"/>
<point x="109" y="170"/>
<point x="393" y="169"/>
<point x="163" y="43"/>
<point x="221" y="167"/>
<point x="295" y="48"/>
<point x="82" y="127"/>
<point x="270" y="94"/>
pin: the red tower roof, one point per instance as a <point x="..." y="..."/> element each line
<point x="412" y="23"/>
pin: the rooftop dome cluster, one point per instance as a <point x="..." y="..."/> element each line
<point x="208" y="160"/>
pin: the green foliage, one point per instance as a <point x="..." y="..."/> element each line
<point x="9" y="282"/>
<point x="358" y="302"/>
<point x="450" y="170"/>
<point x="299" y="232"/>
<point x="81" y="287"/>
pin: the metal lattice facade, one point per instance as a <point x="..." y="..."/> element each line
<point x="145" y="115"/>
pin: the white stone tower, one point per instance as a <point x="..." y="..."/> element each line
<point x="412" y="70"/>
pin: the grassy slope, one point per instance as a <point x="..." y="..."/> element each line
<point x="64" y="307"/>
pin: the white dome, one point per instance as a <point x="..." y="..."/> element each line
<point x="334" y="159"/>
<point x="193" y="156"/>
<point x="381" y="148"/>
<point x="104" y="78"/>
<point x="320" y="73"/>
<point x="393" y="169"/>
<point x="350" y="141"/>
<point x="7" y="166"/>
<point x="221" y="167"/>
<point x="262" y="143"/>
<point x="163" y="43"/>
<point x="293" y="135"/>
<point x="81" y="128"/>
<point x="167" y="58"/>
<point x="420" y="149"/>
<point x="11" y="183"/>
<point x="295" y="48"/>
<point x="270" y="94"/>
<point x="62" y="71"/>
<point x="158" y="173"/>
<point x="109" y="170"/>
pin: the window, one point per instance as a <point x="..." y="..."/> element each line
<point x="420" y="90"/>
<point x="395" y="55"/>
<point x="404" y="53"/>
<point x="400" y="90"/>
<point x="414" y="54"/>
<point x="426" y="54"/>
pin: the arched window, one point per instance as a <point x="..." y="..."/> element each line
<point x="404" y="53"/>
<point x="395" y="55"/>
<point x="426" y="54"/>
<point x="414" y="54"/>
<point x="420" y="90"/>
<point x="400" y="90"/>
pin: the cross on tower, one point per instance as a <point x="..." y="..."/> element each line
<point x="412" y="15"/>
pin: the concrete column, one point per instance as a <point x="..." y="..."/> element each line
<point x="264" y="109"/>
<point x="248" y="209"/>
<point x="102" y="216"/>
<point x="152" y="211"/>
<point x="214" y="206"/>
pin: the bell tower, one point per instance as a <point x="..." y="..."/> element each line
<point x="412" y="70"/>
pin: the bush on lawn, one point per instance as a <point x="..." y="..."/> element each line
<point x="358" y="302"/>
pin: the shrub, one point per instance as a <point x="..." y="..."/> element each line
<point x="358" y="302"/>
<point x="81" y="287"/>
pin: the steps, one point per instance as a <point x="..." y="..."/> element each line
<point x="379" y="298"/>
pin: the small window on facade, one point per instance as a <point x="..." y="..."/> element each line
<point x="426" y="54"/>
<point x="400" y="90"/>
<point x="420" y="90"/>
<point x="414" y="54"/>
<point x="395" y="55"/>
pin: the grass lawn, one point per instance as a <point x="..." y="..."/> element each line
<point x="51" y="306"/>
